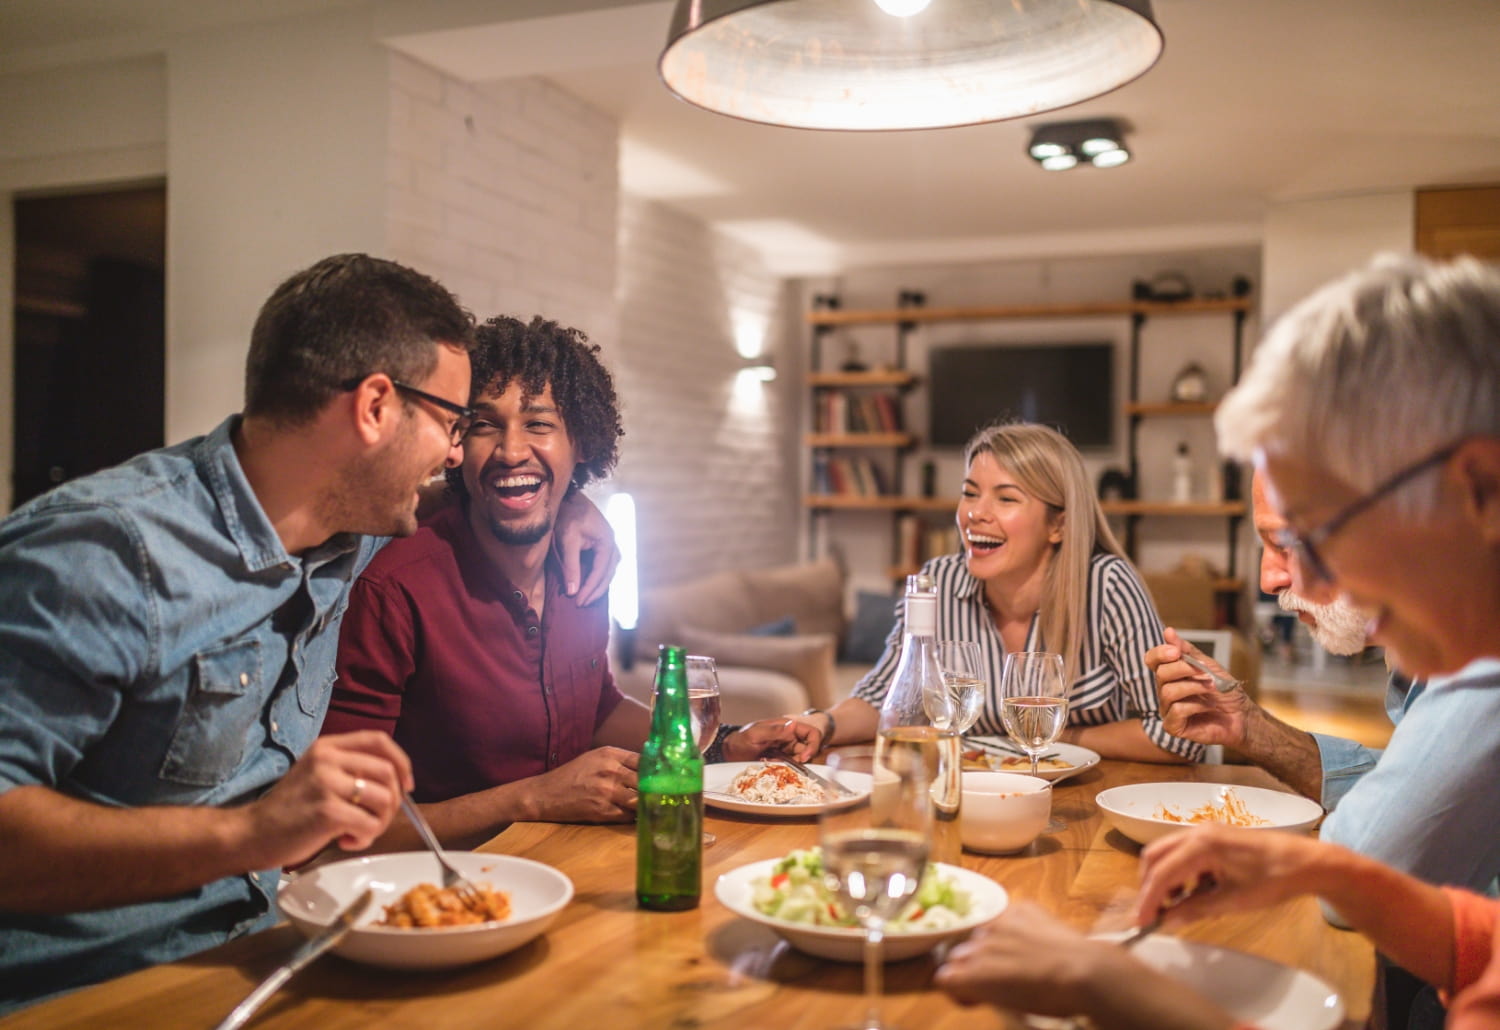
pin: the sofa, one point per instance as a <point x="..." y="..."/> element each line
<point x="774" y="633"/>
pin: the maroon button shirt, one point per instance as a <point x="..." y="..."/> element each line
<point x="443" y="653"/>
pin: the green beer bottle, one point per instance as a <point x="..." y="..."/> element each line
<point x="669" y="811"/>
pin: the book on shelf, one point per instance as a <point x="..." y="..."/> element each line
<point x="909" y="541"/>
<point x="941" y="540"/>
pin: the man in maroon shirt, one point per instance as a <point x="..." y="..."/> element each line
<point x="455" y="641"/>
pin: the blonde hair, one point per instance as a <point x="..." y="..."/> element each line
<point x="1048" y="467"/>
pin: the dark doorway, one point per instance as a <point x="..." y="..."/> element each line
<point x="90" y="339"/>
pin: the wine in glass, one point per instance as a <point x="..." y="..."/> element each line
<point x="703" y="705"/>
<point x="703" y="698"/>
<point x="963" y="681"/>
<point x="1034" y="701"/>
<point x="874" y="857"/>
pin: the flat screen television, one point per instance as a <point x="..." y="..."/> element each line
<point x="1070" y="387"/>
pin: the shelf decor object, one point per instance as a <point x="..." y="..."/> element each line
<point x="902" y="64"/>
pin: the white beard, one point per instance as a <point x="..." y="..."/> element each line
<point x="1339" y="626"/>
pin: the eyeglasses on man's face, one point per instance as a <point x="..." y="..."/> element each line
<point x="456" y="429"/>
<point x="1304" y="546"/>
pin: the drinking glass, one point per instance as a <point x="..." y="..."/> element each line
<point x="703" y="705"/>
<point x="963" y="680"/>
<point x="874" y="853"/>
<point x="1033" y="701"/>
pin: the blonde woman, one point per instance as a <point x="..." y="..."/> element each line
<point x="1040" y="570"/>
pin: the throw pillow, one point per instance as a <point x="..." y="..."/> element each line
<point x="807" y="659"/>
<point x="874" y="618"/>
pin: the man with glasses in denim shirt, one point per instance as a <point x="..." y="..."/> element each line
<point x="168" y="630"/>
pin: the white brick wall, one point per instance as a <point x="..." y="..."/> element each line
<point x="507" y="193"/>
<point x="711" y="460"/>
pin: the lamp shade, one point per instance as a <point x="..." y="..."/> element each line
<point x="847" y="64"/>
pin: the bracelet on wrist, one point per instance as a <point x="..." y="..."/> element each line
<point x="715" y="751"/>
<point x="828" y="733"/>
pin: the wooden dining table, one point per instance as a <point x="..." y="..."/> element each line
<point x="605" y="964"/>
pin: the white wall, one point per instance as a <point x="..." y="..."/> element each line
<point x="707" y="452"/>
<point x="96" y="126"/>
<point x="1167" y="344"/>
<point x="1309" y="242"/>
<point x="276" y="158"/>
<point x="507" y="193"/>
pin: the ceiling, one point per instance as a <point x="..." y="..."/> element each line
<point x="1254" y="103"/>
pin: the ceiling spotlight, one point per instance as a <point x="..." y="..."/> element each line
<point x="847" y="64"/>
<point x="1058" y="146"/>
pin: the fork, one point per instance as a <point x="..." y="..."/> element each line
<point x="452" y="878"/>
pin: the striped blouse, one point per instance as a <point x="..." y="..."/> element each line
<point x="1114" y="683"/>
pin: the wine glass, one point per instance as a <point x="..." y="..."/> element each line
<point x="874" y="854"/>
<point x="961" y="664"/>
<point x="1034" y="701"/>
<point x="703" y="705"/>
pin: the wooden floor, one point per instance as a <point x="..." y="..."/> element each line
<point x="1334" y="697"/>
<point x="1357" y="718"/>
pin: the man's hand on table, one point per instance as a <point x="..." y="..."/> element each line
<point x="789" y="737"/>
<point x="598" y="786"/>
<point x="1190" y="705"/>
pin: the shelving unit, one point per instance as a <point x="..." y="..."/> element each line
<point x="827" y="315"/>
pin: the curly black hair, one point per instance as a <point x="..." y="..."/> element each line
<point x="546" y="354"/>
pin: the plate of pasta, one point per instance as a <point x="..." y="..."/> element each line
<point x="415" y="923"/>
<point x="1145" y="811"/>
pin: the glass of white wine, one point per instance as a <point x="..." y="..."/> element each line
<point x="963" y="680"/>
<point x="703" y="705"/>
<point x="874" y="854"/>
<point x="1033" y="701"/>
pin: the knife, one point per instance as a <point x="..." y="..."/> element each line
<point x="315" y="946"/>
<point x="830" y="787"/>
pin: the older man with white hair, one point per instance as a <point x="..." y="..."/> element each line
<point x="1373" y="408"/>
<point x="1319" y="766"/>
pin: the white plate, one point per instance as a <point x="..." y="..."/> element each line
<point x="1132" y="809"/>
<point x="719" y="775"/>
<point x="1078" y="758"/>
<point x="537" y="893"/>
<point x="735" y="888"/>
<point x="1254" y="990"/>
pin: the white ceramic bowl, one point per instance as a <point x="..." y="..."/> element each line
<point x="1135" y="810"/>
<point x="735" y="889"/>
<point x="537" y="893"/>
<point x="1003" y="812"/>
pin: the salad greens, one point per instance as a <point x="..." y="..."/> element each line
<point x="795" y="891"/>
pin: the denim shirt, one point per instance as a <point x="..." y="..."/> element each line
<point x="158" y="646"/>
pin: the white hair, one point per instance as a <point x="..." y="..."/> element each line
<point x="1374" y="371"/>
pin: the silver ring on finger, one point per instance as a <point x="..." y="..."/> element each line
<point x="359" y="791"/>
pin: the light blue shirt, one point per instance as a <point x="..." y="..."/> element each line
<point x="158" y="646"/>
<point x="1424" y="804"/>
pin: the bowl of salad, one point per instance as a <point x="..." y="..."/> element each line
<point x="789" y="896"/>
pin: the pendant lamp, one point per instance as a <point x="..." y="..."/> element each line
<point x="851" y="64"/>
